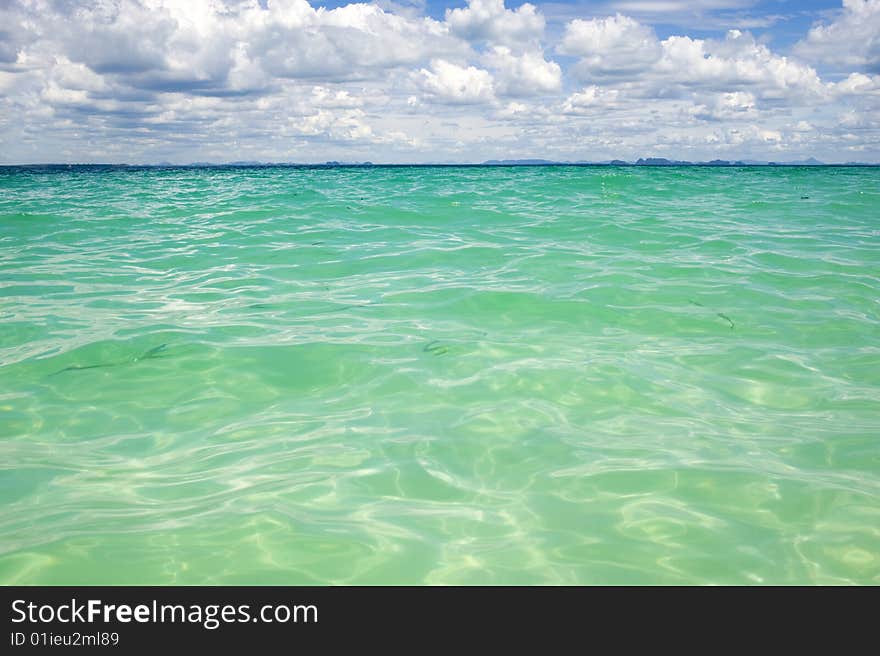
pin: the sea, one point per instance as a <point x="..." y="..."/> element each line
<point x="553" y="375"/>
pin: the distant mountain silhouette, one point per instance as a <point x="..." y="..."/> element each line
<point x="661" y="161"/>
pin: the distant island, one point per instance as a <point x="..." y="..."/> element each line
<point x="662" y="161"/>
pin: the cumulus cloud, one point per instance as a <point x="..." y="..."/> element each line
<point x="733" y="105"/>
<point x="620" y="48"/>
<point x="859" y="84"/>
<point x="490" y="20"/>
<point x="850" y="40"/>
<point x="449" y="83"/>
<point x="526" y="74"/>
<point x="355" y="40"/>
<point x="736" y="62"/>
<point x="200" y="45"/>
<point x="513" y="110"/>
<point x="591" y="99"/>
<point x="616" y="46"/>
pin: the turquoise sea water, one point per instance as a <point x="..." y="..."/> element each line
<point x="440" y="375"/>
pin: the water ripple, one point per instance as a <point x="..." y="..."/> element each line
<point x="450" y="375"/>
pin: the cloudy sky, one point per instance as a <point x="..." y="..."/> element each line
<point x="144" y="81"/>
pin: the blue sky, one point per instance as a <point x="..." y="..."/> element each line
<point x="144" y="81"/>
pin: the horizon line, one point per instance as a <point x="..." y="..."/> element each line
<point x="657" y="162"/>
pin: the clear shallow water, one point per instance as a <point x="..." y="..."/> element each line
<point x="440" y="375"/>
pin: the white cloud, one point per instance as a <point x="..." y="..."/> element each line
<point x="732" y="105"/>
<point x="168" y="44"/>
<point x="352" y="41"/>
<point x="851" y="40"/>
<point x="490" y="20"/>
<point x="339" y="98"/>
<point x="616" y="45"/>
<point x="737" y="62"/>
<point x="619" y="49"/>
<point x="591" y="99"/>
<point x="449" y="83"/>
<point x="76" y="76"/>
<point x="513" y="110"/>
<point x="859" y="84"/>
<point x="344" y="125"/>
<point x="528" y="74"/>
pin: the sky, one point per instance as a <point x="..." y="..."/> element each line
<point x="404" y="81"/>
